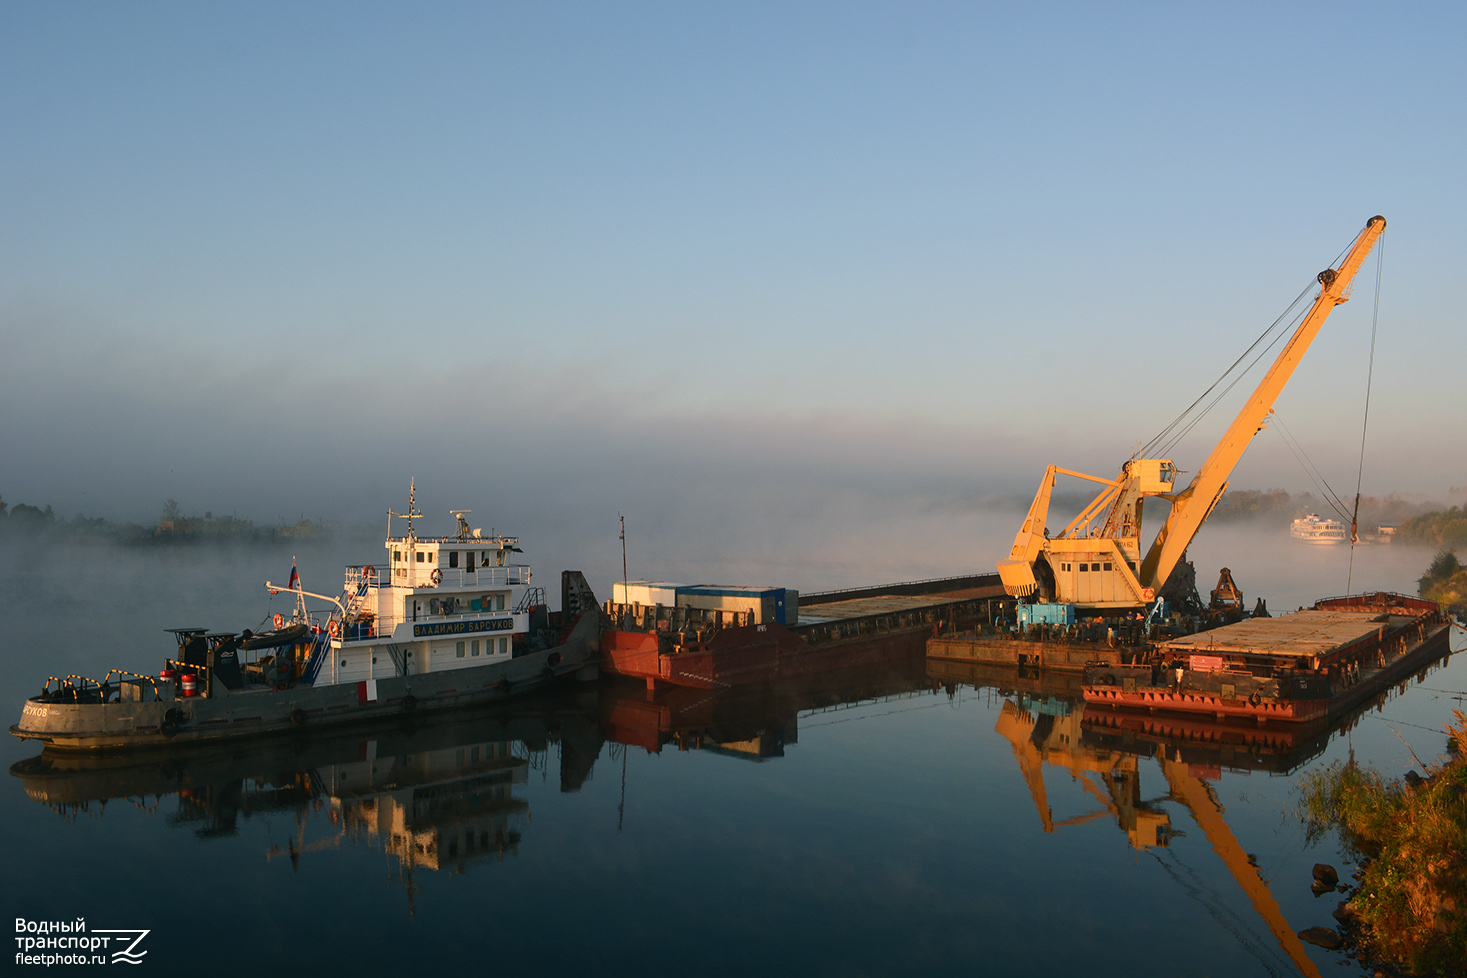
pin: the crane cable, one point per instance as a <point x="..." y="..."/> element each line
<point x="1172" y="437"/>
<point x="1365" y="423"/>
<point x="1307" y="464"/>
<point x="1151" y="447"/>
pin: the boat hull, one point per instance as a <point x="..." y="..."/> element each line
<point x="264" y="712"/>
<point x="751" y="654"/>
<point x="1141" y="695"/>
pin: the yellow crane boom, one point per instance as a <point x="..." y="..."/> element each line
<point x="1100" y="566"/>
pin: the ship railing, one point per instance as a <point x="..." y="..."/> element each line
<point x="360" y="577"/>
<point x="320" y="649"/>
<point x="84" y="686"/>
<point x="421" y="575"/>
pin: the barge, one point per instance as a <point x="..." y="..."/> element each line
<point x="1314" y="664"/>
<point x="711" y="637"/>
<point x="449" y="621"/>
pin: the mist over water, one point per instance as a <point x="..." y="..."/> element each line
<point x="909" y="806"/>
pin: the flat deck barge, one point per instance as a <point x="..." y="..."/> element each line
<point x="1315" y="664"/>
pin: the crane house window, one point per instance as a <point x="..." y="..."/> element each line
<point x="1107" y="565"/>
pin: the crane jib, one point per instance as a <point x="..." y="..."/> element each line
<point x="1101" y="566"/>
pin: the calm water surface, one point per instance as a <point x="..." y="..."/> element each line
<point x="895" y="822"/>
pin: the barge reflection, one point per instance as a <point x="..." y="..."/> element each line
<point x="1045" y="721"/>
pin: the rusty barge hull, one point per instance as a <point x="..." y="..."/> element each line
<point x="836" y="630"/>
<point x="1060" y="656"/>
<point x="1312" y="666"/>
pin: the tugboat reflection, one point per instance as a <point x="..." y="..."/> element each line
<point x="435" y="809"/>
<point x="437" y="796"/>
<point x="442" y="795"/>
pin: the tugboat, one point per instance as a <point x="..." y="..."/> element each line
<point x="448" y="621"/>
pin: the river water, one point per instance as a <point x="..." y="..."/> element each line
<point x="874" y="823"/>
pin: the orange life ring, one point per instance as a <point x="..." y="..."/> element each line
<point x="436" y="577"/>
<point x="333" y="628"/>
<point x="369" y="572"/>
<point x="279" y="620"/>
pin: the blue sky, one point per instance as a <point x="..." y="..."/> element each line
<point x="279" y="257"/>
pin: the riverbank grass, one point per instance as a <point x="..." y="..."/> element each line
<point x="1410" y="837"/>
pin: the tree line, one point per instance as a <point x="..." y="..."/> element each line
<point x="173" y="526"/>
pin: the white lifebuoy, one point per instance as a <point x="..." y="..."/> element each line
<point x="436" y="577"/>
<point x="279" y="620"/>
<point x="369" y="572"/>
<point x="334" y="628"/>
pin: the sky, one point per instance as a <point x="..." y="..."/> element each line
<point x="786" y="274"/>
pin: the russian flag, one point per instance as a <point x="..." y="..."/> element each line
<point x="295" y="578"/>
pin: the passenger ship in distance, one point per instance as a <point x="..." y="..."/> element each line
<point x="448" y="621"/>
<point x="1316" y="529"/>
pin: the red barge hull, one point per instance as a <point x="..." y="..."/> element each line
<point x="836" y="630"/>
<point x="1312" y="665"/>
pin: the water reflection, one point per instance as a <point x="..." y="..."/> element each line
<point x="438" y="796"/>
<point x="1044" y="719"/>
<point x="751" y="723"/>
<point x="444" y="795"/>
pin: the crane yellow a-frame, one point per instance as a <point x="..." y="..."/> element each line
<point x="1096" y="561"/>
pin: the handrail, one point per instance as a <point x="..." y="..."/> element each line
<point x="421" y="576"/>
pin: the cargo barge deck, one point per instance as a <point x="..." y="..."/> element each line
<point x="1315" y="664"/>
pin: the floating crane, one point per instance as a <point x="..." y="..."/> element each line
<point x="1096" y="561"/>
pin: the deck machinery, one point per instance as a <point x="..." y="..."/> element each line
<point x="1096" y="560"/>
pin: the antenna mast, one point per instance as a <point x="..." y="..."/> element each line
<point x="412" y="510"/>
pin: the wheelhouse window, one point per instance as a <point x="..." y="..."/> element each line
<point x="453" y="558"/>
<point x="420" y="556"/>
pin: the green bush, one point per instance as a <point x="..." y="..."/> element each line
<point x="1412" y="842"/>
